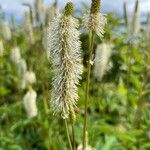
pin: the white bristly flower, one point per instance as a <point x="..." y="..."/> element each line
<point x="135" y="24"/>
<point x="28" y="27"/>
<point x="101" y="64"/>
<point x="15" y="55"/>
<point x="95" y="21"/>
<point x="1" y="48"/>
<point x="39" y="8"/>
<point x="64" y="46"/>
<point x="6" y="32"/>
<point x="50" y="13"/>
<point x="29" y="102"/>
<point x="28" y="79"/>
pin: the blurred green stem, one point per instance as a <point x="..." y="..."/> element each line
<point x="48" y="143"/>
<point x="90" y="52"/>
<point x="67" y="134"/>
<point x="45" y="106"/>
<point x="73" y="137"/>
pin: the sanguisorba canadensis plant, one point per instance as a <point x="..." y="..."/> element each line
<point x="15" y="55"/>
<point x="94" y="22"/>
<point x="50" y="13"/>
<point x="39" y="9"/>
<point x="135" y="24"/>
<point x="102" y="62"/>
<point x="28" y="27"/>
<point x="64" y="46"/>
<point x="6" y="31"/>
<point x="28" y="79"/>
<point x="29" y="101"/>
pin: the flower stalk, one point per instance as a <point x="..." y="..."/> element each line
<point x="73" y="120"/>
<point x="91" y="44"/>
<point x="94" y="22"/>
<point x="64" y="48"/>
<point x="67" y="134"/>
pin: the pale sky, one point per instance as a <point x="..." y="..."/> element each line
<point x="116" y="6"/>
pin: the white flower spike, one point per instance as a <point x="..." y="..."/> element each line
<point x="135" y="24"/>
<point x="28" y="27"/>
<point x="29" y="102"/>
<point x="29" y="78"/>
<point x="95" y="21"/>
<point x="6" y="32"/>
<point x="101" y="65"/>
<point x="15" y="55"/>
<point x="39" y="9"/>
<point x="64" y="46"/>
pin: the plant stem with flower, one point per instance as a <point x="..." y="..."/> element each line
<point x="94" y="22"/>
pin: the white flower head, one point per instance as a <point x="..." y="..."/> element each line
<point x="29" y="102"/>
<point x="29" y="77"/>
<point x="28" y="27"/>
<point x="6" y="32"/>
<point x="64" y="46"/>
<point x="101" y="65"/>
<point x="15" y="55"/>
<point x="95" y="21"/>
<point x="50" y="13"/>
<point x="39" y="8"/>
<point x="135" y="23"/>
<point x="1" y="48"/>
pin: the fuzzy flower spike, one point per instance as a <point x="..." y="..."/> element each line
<point x="29" y="102"/>
<point x="95" y="21"/>
<point x="135" y="22"/>
<point x="64" y="46"/>
<point x="102" y="60"/>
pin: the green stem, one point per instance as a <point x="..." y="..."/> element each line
<point x="49" y="137"/>
<point x="45" y="103"/>
<point x="67" y="134"/>
<point x="45" y="106"/>
<point x="73" y="137"/>
<point x="91" y="43"/>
